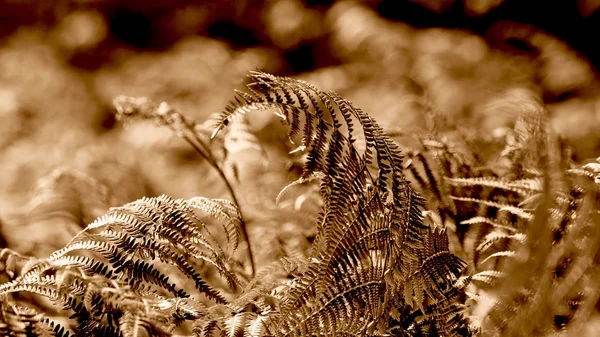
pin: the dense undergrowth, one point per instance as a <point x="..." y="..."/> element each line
<point x="380" y="262"/>
<point x="497" y="134"/>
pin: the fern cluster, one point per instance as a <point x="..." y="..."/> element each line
<point x="527" y="226"/>
<point x="381" y="263"/>
<point x="375" y="268"/>
<point x="112" y="275"/>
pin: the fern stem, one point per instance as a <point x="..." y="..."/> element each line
<point x="164" y="114"/>
<point x="202" y="148"/>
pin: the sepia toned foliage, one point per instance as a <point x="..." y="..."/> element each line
<point x="370" y="241"/>
<point x="485" y="224"/>
<point x="530" y="234"/>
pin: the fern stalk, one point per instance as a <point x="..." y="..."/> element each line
<point x="164" y="114"/>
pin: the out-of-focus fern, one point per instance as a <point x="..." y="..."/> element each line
<point x="552" y="276"/>
<point x="241" y="150"/>
<point x="528" y="227"/>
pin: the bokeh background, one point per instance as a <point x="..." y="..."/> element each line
<point x="64" y="158"/>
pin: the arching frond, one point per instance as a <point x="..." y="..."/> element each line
<point x="370" y="235"/>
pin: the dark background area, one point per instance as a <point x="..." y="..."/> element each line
<point x="146" y="24"/>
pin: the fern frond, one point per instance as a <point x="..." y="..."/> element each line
<point x="495" y="236"/>
<point x="507" y="253"/>
<point x="370" y="234"/>
<point x="489" y="221"/>
<point x="524" y="187"/>
<point x="503" y="207"/>
<point x="114" y="266"/>
<point x="487" y="276"/>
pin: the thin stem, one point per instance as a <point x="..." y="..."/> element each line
<point x="202" y="149"/>
<point x="166" y="115"/>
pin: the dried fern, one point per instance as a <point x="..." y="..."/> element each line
<point x="523" y="235"/>
<point x="163" y="114"/>
<point x="113" y="274"/>
<point x="370" y="235"/>
<point x="375" y="268"/>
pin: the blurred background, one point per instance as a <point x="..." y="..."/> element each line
<point x="64" y="159"/>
